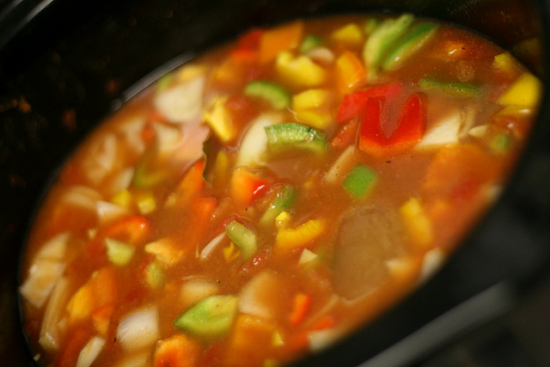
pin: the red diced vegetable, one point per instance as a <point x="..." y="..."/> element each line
<point x="371" y="136"/>
<point x="412" y="123"/>
<point x="300" y="308"/>
<point x="132" y="230"/>
<point x="353" y="104"/>
<point x="247" y="186"/>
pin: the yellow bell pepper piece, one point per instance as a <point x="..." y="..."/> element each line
<point x="123" y="199"/>
<point x="316" y="119"/>
<point x="220" y="121"/>
<point x="350" y="72"/>
<point x="417" y="223"/>
<point x="349" y="34"/>
<point x="146" y="202"/>
<point x="505" y="62"/>
<point x="288" y="238"/>
<point x="300" y="72"/>
<point x="311" y="98"/>
<point x="525" y="91"/>
<point x="81" y="303"/>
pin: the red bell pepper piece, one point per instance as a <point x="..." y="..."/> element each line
<point x="410" y="129"/>
<point x="353" y="104"/>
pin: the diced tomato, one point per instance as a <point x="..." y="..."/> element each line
<point x="258" y="262"/>
<point x="247" y="186"/>
<point x="132" y="230"/>
<point x="353" y="104"/>
<point x="176" y="351"/>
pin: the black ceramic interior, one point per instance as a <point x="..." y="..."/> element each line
<point x="65" y="65"/>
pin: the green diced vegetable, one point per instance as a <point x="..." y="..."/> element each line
<point x="409" y="44"/>
<point x="154" y="275"/>
<point x="273" y="93"/>
<point x="118" y="252"/>
<point x="360" y="180"/>
<point x="242" y="237"/>
<point x="145" y="175"/>
<point x="383" y="39"/>
<point x="210" y="318"/>
<point x="281" y="137"/>
<point x="283" y="201"/>
<point x="456" y="89"/>
<point x="309" y="43"/>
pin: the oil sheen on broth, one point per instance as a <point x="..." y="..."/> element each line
<point x="272" y="195"/>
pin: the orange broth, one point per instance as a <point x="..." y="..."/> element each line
<point x="272" y="195"/>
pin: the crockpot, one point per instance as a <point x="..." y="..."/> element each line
<point x="65" y="65"/>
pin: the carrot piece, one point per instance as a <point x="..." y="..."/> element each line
<point x="300" y="308"/>
<point x="350" y="72"/>
<point x="71" y="350"/>
<point x="176" y="351"/>
<point x="132" y="230"/>
<point x="280" y="39"/>
<point x="249" y="331"/>
<point x="324" y="322"/>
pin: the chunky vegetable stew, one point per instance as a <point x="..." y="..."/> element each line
<point x="269" y="197"/>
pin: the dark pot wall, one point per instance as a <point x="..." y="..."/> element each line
<point x="65" y="64"/>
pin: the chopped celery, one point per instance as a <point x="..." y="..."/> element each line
<point x="119" y="253"/>
<point x="210" y="318"/>
<point x="411" y="43"/>
<point x="382" y="39"/>
<point x="282" y="202"/>
<point x="273" y="93"/>
<point x="360" y="180"/>
<point x="309" y="43"/>
<point x="457" y="89"/>
<point x="291" y="135"/>
<point x="242" y="237"/>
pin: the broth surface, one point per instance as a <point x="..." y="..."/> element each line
<point x="274" y="194"/>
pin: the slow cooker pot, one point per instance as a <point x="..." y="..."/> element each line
<point x="64" y="65"/>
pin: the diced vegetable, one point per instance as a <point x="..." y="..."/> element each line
<point x="300" y="71"/>
<point x="300" y="308"/>
<point x="455" y="89"/>
<point x="109" y="212"/>
<point x="289" y="238"/>
<point x="310" y="42"/>
<point x="211" y="246"/>
<point x="243" y="237"/>
<point x="350" y="72"/>
<point x="50" y="334"/>
<point x="196" y="289"/>
<point x="89" y="353"/>
<point x="381" y="40"/>
<point x="188" y="187"/>
<point x="165" y="250"/>
<point x="360" y="180"/>
<point x="118" y="252"/>
<point x="310" y="98"/>
<point x="247" y="186"/>
<point x="155" y="275"/>
<point x="290" y="135"/>
<point x="263" y="295"/>
<point x="318" y="119"/>
<point x="183" y="102"/>
<point x="273" y="93"/>
<point x="176" y="351"/>
<point x="138" y="329"/>
<point x="280" y="39"/>
<point x="350" y="35"/>
<point x="525" y="91"/>
<point x="418" y="224"/>
<point x="210" y="318"/>
<point x="46" y="270"/>
<point x="444" y="132"/>
<point x="413" y="41"/>
<point x="218" y="118"/>
<point x="283" y="201"/>
<point x="353" y="105"/>
<point x="254" y="142"/>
